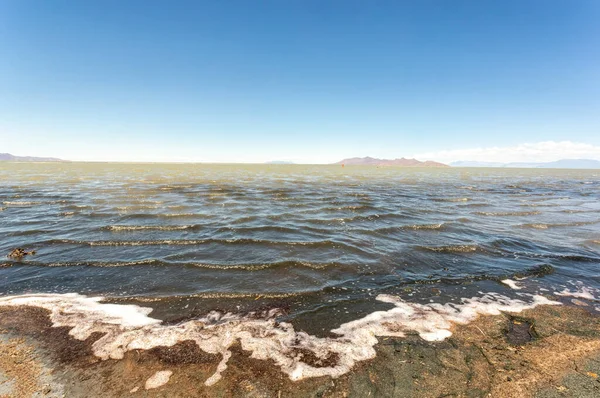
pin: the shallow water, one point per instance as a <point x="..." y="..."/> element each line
<point x="320" y="242"/>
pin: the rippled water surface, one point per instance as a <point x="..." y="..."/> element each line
<point x="321" y="241"/>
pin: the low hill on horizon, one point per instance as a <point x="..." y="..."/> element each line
<point x="13" y="158"/>
<point x="402" y="162"/>
<point x="279" y="162"/>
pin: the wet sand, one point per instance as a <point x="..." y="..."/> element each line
<point x="548" y="351"/>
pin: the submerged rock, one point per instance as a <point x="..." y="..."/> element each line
<point x="20" y="253"/>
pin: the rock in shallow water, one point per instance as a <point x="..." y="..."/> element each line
<point x="19" y="253"/>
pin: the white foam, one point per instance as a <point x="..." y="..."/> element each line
<point x="158" y="379"/>
<point x="581" y="292"/>
<point x="512" y="284"/>
<point x="64" y="309"/>
<point x="128" y="327"/>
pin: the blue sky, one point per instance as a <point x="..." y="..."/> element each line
<point x="307" y="81"/>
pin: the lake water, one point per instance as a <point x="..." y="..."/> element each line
<point x="324" y="245"/>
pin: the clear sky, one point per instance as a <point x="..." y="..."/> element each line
<point x="300" y="80"/>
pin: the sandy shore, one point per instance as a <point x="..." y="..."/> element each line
<point x="548" y="351"/>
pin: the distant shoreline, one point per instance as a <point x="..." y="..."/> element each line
<point x="288" y="165"/>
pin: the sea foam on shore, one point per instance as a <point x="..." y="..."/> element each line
<point x="129" y="327"/>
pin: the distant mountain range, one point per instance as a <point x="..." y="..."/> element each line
<point x="279" y="162"/>
<point x="559" y="164"/>
<point x="369" y="161"/>
<point x="9" y="157"/>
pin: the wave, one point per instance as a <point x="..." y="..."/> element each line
<point x="298" y="229"/>
<point x="25" y="232"/>
<point x="76" y="207"/>
<point x="516" y="245"/>
<point x="351" y="208"/>
<point x="127" y="327"/>
<point x="572" y="257"/>
<point x="150" y="227"/>
<point x="476" y="204"/>
<point x="153" y="262"/>
<point x="315" y="244"/>
<point x="537" y="271"/>
<point x="538" y="204"/>
<point x="196" y="242"/>
<point x="127" y="243"/>
<point x="214" y="295"/>
<point x="414" y="227"/>
<point x="257" y="267"/>
<point x="578" y="211"/>
<point x="523" y="248"/>
<point x="453" y="279"/>
<point x="452" y="248"/>
<point x="137" y="207"/>
<point x="451" y="199"/>
<point x="165" y="215"/>
<point x="357" y="218"/>
<point x="507" y="213"/>
<point x="559" y="225"/>
<point x="160" y="263"/>
<point x="296" y="216"/>
<point x="437" y="226"/>
<point x="20" y="203"/>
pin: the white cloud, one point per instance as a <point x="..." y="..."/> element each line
<point x="546" y="151"/>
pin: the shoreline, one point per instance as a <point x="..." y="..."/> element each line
<point x="547" y="351"/>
